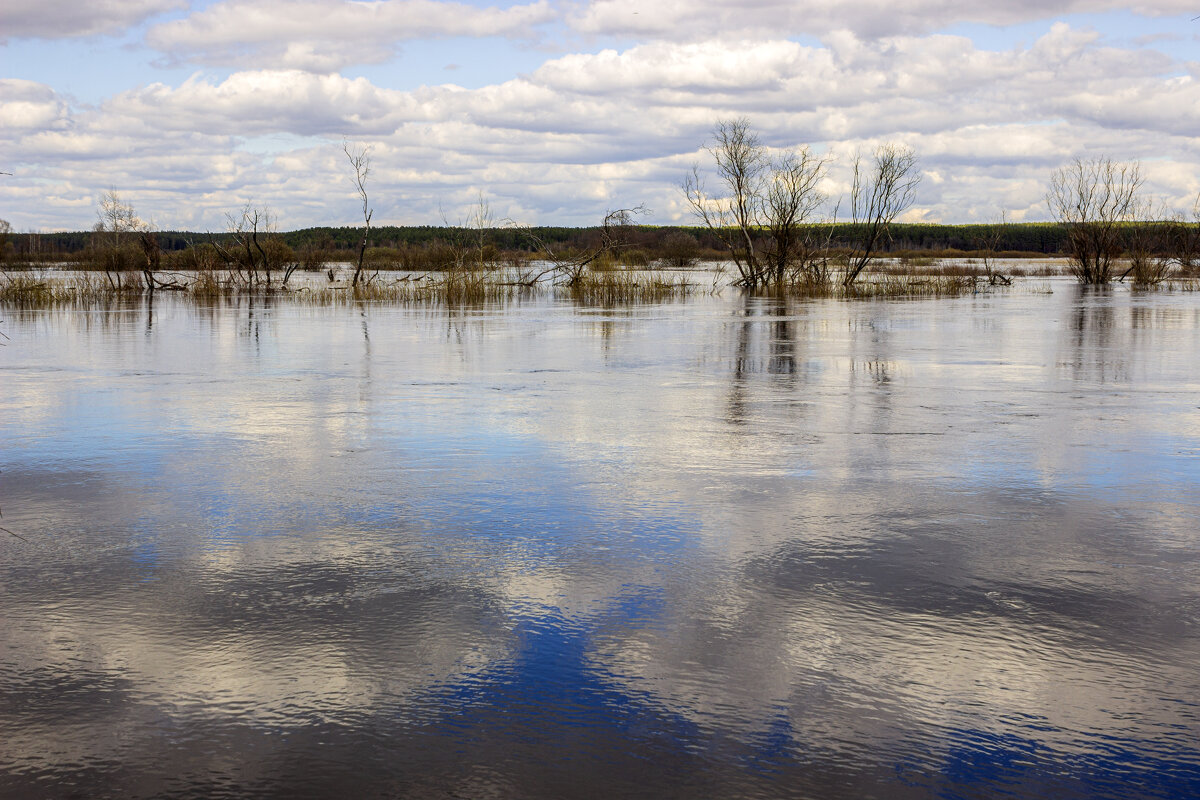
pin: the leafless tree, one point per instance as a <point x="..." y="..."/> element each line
<point x="480" y="222"/>
<point x="115" y="218"/>
<point x="1146" y="238"/>
<point x="733" y="216"/>
<point x="245" y="254"/>
<point x="879" y="192"/>
<point x="763" y="204"/>
<point x="115" y="221"/>
<point x="360" y="161"/>
<point x="1091" y="198"/>
<point x="991" y="247"/>
<point x="467" y="239"/>
<point x="569" y="269"/>
<point x="255" y="251"/>
<point x="1182" y="240"/>
<point x="790" y="200"/>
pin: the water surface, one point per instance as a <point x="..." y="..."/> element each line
<point x="727" y="547"/>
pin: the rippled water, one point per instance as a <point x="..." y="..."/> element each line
<point x="727" y="547"/>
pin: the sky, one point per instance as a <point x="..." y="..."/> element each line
<point x="556" y="112"/>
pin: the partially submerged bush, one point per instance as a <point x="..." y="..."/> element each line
<point x="679" y="250"/>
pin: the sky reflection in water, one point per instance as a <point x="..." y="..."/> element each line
<point x="727" y="547"/>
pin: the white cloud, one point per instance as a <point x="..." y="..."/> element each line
<point x="679" y="20"/>
<point x="29" y="106"/>
<point x="588" y="131"/>
<point x="327" y="35"/>
<point x="60" y="19"/>
<point x="250" y="103"/>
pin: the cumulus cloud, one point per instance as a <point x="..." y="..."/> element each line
<point x="272" y="101"/>
<point x="587" y="131"/>
<point x="29" y="106"/>
<point x="60" y="19"/>
<point x="327" y="35"/>
<point x="691" y="19"/>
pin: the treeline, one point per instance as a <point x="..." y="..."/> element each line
<point x="648" y="242"/>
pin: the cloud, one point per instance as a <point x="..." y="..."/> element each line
<point x="256" y="102"/>
<point x="585" y="132"/>
<point x="680" y="20"/>
<point x="61" y="19"/>
<point x="327" y="35"/>
<point x="29" y="106"/>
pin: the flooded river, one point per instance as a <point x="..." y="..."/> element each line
<point x="725" y="547"/>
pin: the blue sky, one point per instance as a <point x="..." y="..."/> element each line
<point x="556" y="112"/>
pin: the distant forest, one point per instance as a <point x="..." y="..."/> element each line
<point x="1011" y="239"/>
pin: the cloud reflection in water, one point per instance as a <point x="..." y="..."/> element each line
<point x="730" y="547"/>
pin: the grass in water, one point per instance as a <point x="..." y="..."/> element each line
<point x="459" y="287"/>
<point x="615" y="287"/>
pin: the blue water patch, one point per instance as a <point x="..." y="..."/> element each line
<point x="982" y="764"/>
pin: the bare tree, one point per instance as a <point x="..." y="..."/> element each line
<point x="762" y="207"/>
<point x="790" y="199"/>
<point x="879" y="192"/>
<point x="1145" y="241"/>
<point x="991" y="247"/>
<point x="115" y="224"/>
<point x="116" y="218"/>
<point x="360" y="162"/>
<point x="256" y="251"/>
<point x="569" y="269"/>
<point x="1091" y="198"/>
<point x="481" y="221"/>
<point x="243" y="227"/>
<point x="115" y="221"/>
<point x="733" y="216"/>
<point x="467" y="240"/>
<point x="1182" y="240"/>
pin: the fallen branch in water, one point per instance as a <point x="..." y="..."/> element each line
<point x="13" y="533"/>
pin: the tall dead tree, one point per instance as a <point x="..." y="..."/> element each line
<point x="1091" y="198"/>
<point x="360" y="162"/>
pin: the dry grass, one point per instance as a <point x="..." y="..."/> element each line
<point x="877" y="286"/>
<point x="1176" y="284"/>
<point x="462" y="287"/>
<point x="968" y="267"/>
<point x="36" y="289"/>
<point x="617" y="287"/>
<point x="210" y="285"/>
<point x="882" y="285"/>
<point x="454" y="287"/>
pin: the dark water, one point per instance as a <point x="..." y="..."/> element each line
<point x="720" y="548"/>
